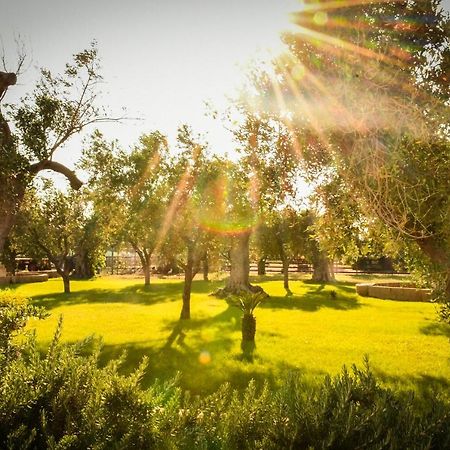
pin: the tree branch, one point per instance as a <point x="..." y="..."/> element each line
<point x="6" y="80"/>
<point x="75" y="182"/>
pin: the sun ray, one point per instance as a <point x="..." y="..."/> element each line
<point x="338" y="4"/>
<point x="303" y="105"/>
<point x="149" y="169"/>
<point x="179" y="199"/>
<point x="368" y="78"/>
<point x="334" y="43"/>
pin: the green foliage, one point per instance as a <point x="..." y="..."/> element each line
<point x="247" y="302"/>
<point x="366" y="90"/>
<point x="187" y="239"/>
<point x="63" y="399"/>
<point x="59" y="107"/>
<point x="9" y="254"/>
<point x="61" y="227"/>
<point x="288" y="234"/>
<point x="132" y="192"/>
<point x="309" y="330"/>
<point x="354" y="411"/>
<point x="268" y="158"/>
<point x="52" y="225"/>
<point x="15" y="311"/>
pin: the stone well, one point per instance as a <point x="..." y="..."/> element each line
<point x="407" y="292"/>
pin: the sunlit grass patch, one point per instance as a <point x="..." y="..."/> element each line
<point x="313" y="331"/>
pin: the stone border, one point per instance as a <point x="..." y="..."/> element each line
<point x="406" y="292"/>
<point x="34" y="278"/>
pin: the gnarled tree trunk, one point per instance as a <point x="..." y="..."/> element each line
<point x="322" y="268"/>
<point x="66" y="281"/>
<point x="240" y="267"/>
<point x="145" y="258"/>
<point x="16" y="172"/>
<point x="437" y="254"/>
<point x="240" y="263"/>
<point x="12" y="188"/>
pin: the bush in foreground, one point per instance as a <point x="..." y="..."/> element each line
<point x="63" y="399"/>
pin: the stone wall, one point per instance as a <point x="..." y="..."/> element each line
<point x="394" y="291"/>
<point x="23" y="278"/>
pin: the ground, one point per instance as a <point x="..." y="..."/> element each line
<point x="310" y="331"/>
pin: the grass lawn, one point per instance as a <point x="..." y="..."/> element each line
<point x="310" y="331"/>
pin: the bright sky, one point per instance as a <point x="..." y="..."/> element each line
<point x="161" y="59"/>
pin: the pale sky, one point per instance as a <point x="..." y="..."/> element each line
<point x="161" y="59"/>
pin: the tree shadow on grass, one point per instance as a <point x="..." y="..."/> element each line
<point x="426" y="387"/>
<point x="334" y="285"/>
<point x="313" y="301"/>
<point x="200" y="367"/>
<point x="203" y="352"/>
<point x="436" y="329"/>
<point x="137" y="293"/>
<point x="227" y="320"/>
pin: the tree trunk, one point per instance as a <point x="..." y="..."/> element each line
<point x="285" y="262"/>
<point x="240" y="263"/>
<point x="186" y="308"/>
<point x="6" y="223"/>
<point x="66" y="281"/>
<point x="146" y="268"/>
<point x="262" y="266"/>
<point x="322" y="268"/>
<point x="11" y="188"/>
<point x="248" y="327"/>
<point x="188" y="276"/>
<point x="83" y="266"/>
<point x="238" y="281"/>
<point x="11" y="197"/>
<point x="205" y="267"/>
<point x="240" y="267"/>
<point x="145" y="258"/>
<point x="438" y="255"/>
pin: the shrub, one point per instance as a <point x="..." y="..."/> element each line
<point x="351" y="410"/>
<point x="15" y="311"/>
<point x="63" y="399"/>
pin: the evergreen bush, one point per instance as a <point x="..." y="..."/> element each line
<point x="64" y="399"/>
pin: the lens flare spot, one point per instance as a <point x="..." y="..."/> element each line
<point x="298" y="72"/>
<point x="320" y="18"/>
<point x="204" y="357"/>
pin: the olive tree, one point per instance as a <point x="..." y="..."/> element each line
<point x="134" y="189"/>
<point x="42" y="123"/>
<point x="51" y="225"/>
<point x="366" y="87"/>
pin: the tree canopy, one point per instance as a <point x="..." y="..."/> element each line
<point x="59" y="107"/>
<point x="365" y="91"/>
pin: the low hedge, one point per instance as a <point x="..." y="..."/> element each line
<point x="63" y="399"/>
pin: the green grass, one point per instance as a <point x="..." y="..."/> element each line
<point x="309" y="331"/>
